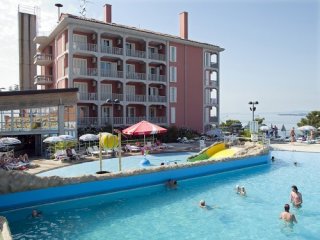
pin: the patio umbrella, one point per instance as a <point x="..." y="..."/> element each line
<point x="7" y="141"/>
<point x="143" y="128"/>
<point x="89" y="137"/>
<point x="306" y="128"/>
<point x="52" y="139"/>
<point x="264" y="128"/>
<point x="283" y="129"/>
<point x="67" y="137"/>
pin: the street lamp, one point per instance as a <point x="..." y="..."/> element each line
<point x="113" y="102"/>
<point x="253" y="108"/>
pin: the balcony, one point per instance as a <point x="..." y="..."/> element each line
<point x="85" y="72"/>
<point x="86" y="96"/>
<point x="87" y="121"/>
<point x="211" y="84"/>
<point x="89" y="47"/>
<point x="135" y="98"/>
<point x="111" y="74"/>
<point x="43" y="80"/>
<point x="110" y="121"/>
<point x="42" y="59"/>
<point x="157" y="78"/>
<point x="213" y="119"/>
<point x="135" y="53"/>
<point x="133" y="120"/>
<point x="211" y="102"/>
<point x="157" y="98"/>
<point x="105" y="96"/>
<point x="111" y="50"/>
<point x="158" y="120"/>
<point x="157" y="56"/>
<point x="136" y="76"/>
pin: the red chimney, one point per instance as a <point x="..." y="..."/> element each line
<point x="184" y="25"/>
<point x="107" y="13"/>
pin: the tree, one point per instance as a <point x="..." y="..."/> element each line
<point x="228" y="123"/>
<point x="259" y="120"/>
<point x="312" y="119"/>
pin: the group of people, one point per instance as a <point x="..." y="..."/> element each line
<point x="296" y="200"/>
<point x="7" y="160"/>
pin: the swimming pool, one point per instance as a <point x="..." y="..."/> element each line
<point x="158" y="213"/>
<point x="112" y="164"/>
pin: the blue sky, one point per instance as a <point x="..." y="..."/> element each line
<point x="271" y="47"/>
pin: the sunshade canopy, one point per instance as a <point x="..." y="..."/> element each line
<point x="144" y="128"/>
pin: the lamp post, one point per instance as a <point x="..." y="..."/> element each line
<point x="253" y="108"/>
<point x="113" y="102"/>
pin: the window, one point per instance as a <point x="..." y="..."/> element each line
<point x="173" y="94"/>
<point x="173" y="54"/>
<point x="173" y="74"/>
<point x="173" y="114"/>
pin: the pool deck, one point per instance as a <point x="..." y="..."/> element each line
<point x="45" y="164"/>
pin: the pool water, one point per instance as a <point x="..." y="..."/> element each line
<point x="112" y="164"/>
<point x="159" y="213"/>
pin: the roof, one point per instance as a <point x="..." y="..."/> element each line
<point x="37" y="98"/>
<point x="172" y="37"/>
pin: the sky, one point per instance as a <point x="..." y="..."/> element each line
<point x="272" y="47"/>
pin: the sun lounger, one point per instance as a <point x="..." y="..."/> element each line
<point x="95" y="148"/>
<point x="131" y="148"/>
<point x="61" y="155"/>
<point x="92" y="152"/>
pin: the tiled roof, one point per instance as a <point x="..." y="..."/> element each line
<point x="64" y="15"/>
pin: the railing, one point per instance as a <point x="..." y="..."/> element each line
<point x="158" y="120"/>
<point x="211" y="83"/>
<point x="157" y="98"/>
<point x="112" y="50"/>
<point x="105" y="96"/>
<point x="113" y="74"/>
<point x="157" y="78"/>
<point x="87" y="121"/>
<point x="135" y="98"/>
<point x="87" y="96"/>
<point x="211" y="101"/>
<point x="213" y="65"/>
<point x="213" y="119"/>
<point x="85" y="46"/>
<point x="157" y="56"/>
<point x="43" y="79"/>
<point x="85" y="71"/>
<point x="135" y="53"/>
<point x="43" y="57"/>
<point x="132" y="120"/>
<point x="138" y="76"/>
<point x="112" y="120"/>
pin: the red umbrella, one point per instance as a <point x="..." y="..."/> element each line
<point x="143" y="128"/>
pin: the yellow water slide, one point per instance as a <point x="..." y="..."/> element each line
<point x="226" y="153"/>
<point x="208" y="152"/>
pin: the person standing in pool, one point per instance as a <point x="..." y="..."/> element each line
<point x="287" y="216"/>
<point x="296" y="197"/>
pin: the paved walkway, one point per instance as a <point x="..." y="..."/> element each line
<point x="299" y="147"/>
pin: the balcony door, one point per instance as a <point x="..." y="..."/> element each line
<point x="106" y="91"/>
<point x="83" y="90"/>
<point x="79" y="41"/>
<point x="106" y="114"/>
<point x="153" y="112"/>
<point x="80" y="66"/>
<point x="131" y="112"/>
<point x="107" y="68"/>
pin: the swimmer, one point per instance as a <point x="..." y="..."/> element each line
<point x="287" y="216"/>
<point x="202" y="204"/>
<point x="272" y="159"/>
<point x="35" y="213"/>
<point x="296" y="197"/>
<point x="171" y="184"/>
<point x="243" y="191"/>
<point x="238" y="189"/>
<point x="295" y="163"/>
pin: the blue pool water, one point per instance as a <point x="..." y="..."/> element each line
<point x="112" y="164"/>
<point x="158" y="213"/>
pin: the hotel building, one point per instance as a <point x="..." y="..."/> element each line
<point x="126" y="74"/>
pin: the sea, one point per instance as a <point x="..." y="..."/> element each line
<point x="279" y="119"/>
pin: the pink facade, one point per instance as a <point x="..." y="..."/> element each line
<point x="133" y="67"/>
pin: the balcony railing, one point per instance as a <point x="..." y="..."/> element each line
<point x="132" y="120"/>
<point x="111" y="50"/>
<point x="211" y="101"/>
<point x="157" y="56"/>
<point x="158" y="120"/>
<point x="157" y="98"/>
<point x="87" y="121"/>
<point x="157" y="78"/>
<point x="42" y="59"/>
<point x="135" y="53"/>
<point x="135" y="98"/>
<point x="112" y="74"/>
<point x="136" y="76"/>
<point x="87" y="96"/>
<point x="112" y="120"/>
<point x="210" y="83"/>
<point x="43" y="79"/>
<point x="105" y="96"/>
<point x="85" y="71"/>
<point x="213" y="119"/>
<point x="91" y="47"/>
<point x="213" y="65"/>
